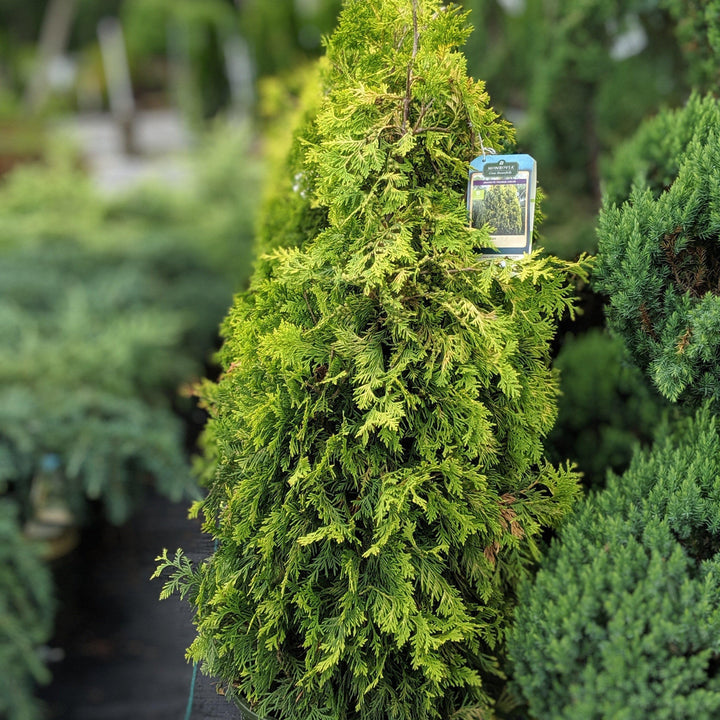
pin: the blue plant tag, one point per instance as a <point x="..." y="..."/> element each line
<point x="501" y="194"/>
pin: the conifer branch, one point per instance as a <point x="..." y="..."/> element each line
<point x="647" y="322"/>
<point x="409" y="80"/>
<point x="423" y="110"/>
<point x="310" y="310"/>
<point x="431" y="129"/>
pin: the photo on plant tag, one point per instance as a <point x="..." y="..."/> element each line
<point x="501" y="203"/>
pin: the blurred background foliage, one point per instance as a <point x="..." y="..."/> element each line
<point x="110" y="302"/>
<point x="607" y="409"/>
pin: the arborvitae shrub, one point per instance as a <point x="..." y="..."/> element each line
<point x="26" y="613"/>
<point x="623" y="618"/>
<point x="606" y="407"/>
<point x="652" y="156"/>
<point x="659" y="262"/>
<point x="377" y="484"/>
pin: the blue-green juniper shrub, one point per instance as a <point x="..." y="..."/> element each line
<point x="623" y="618"/>
<point x="659" y="263"/>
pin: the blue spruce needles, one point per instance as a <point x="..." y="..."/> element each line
<point x="375" y="471"/>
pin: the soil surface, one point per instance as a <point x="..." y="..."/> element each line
<point x="121" y="650"/>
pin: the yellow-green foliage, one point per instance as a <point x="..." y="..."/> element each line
<point x="500" y="209"/>
<point x="287" y="215"/>
<point x="376" y="478"/>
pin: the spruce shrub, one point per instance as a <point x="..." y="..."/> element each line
<point x="659" y="262"/>
<point x="376" y="479"/>
<point x="26" y="614"/>
<point x="623" y="618"/>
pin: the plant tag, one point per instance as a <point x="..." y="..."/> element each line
<point x="501" y="193"/>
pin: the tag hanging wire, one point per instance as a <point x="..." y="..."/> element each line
<point x="485" y="150"/>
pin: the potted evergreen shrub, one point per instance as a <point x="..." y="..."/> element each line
<point x="623" y="619"/>
<point x="375" y="474"/>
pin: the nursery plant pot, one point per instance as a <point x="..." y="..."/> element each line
<point x="245" y="712"/>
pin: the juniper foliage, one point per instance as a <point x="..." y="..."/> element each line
<point x="376" y="478"/>
<point x="623" y="619"/>
<point x="659" y="262"/>
<point x="109" y="307"/>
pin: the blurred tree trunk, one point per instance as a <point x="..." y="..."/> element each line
<point x="54" y="37"/>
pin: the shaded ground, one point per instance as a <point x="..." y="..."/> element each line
<point x="123" y="648"/>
